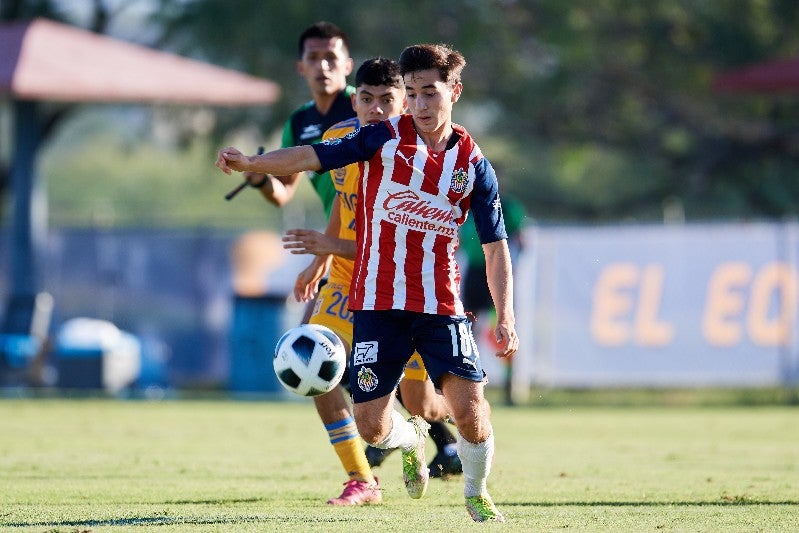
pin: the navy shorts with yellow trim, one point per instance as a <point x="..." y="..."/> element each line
<point x="414" y="368"/>
<point x="383" y="341"/>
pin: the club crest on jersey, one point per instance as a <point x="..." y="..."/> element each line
<point x="459" y="179"/>
<point x="367" y="380"/>
<point x="365" y="353"/>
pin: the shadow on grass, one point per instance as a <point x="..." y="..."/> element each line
<point x="727" y="502"/>
<point x="164" y="520"/>
<point x="177" y="520"/>
<point x="255" y="519"/>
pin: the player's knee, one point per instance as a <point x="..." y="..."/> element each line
<point x="475" y="430"/>
<point x="371" y="431"/>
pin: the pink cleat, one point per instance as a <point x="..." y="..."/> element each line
<point x="358" y="493"/>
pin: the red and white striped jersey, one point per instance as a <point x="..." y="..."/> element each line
<point x="411" y="204"/>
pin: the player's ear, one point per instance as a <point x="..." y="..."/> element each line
<point x="457" y="89"/>
<point x="348" y="67"/>
<point x="353" y="100"/>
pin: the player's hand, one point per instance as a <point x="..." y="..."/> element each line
<point x="305" y="289"/>
<point x="307" y="241"/>
<point x="507" y="340"/>
<point x="307" y="284"/>
<point x="230" y="159"/>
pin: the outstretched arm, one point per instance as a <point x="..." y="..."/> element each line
<point x="282" y="162"/>
<point x="308" y="241"/>
<point x="500" y="283"/>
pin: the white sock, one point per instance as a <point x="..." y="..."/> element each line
<point x="402" y="434"/>
<point x="476" y="460"/>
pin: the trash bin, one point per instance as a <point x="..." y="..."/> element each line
<point x="257" y="326"/>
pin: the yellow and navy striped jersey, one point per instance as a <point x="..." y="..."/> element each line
<point x="345" y="182"/>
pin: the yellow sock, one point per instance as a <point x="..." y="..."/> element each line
<point x="347" y="444"/>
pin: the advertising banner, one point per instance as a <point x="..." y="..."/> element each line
<point x="659" y="306"/>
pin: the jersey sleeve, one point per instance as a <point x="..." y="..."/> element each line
<point x="287" y="139"/>
<point x="485" y="205"/>
<point x="359" y="145"/>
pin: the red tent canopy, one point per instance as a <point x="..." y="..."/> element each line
<point x="771" y="77"/>
<point x="46" y="60"/>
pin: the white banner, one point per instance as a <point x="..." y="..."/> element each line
<point x="659" y="305"/>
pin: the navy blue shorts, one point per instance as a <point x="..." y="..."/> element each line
<point x="383" y="341"/>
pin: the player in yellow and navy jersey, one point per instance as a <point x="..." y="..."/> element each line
<point x="324" y="62"/>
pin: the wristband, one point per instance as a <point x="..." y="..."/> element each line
<point x="261" y="183"/>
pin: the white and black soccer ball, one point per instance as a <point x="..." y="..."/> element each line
<point x="310" y="360"/>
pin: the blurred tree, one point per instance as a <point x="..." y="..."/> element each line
<point x="634" y="78"/>
<point x="595" y="110"/>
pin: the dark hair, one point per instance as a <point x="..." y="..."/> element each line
<point x="379" y="71"/>
<point x="323" y="30"/>
<point x="447" y="61"/>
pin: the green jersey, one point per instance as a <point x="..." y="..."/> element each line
<point x="513" y="213"/>
<point x="306" y="126"/>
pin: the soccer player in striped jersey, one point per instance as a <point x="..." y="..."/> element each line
<point x="380" y="94"/>
<point x="421" y="175"/>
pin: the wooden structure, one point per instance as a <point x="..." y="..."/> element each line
<point x="46" y="61"/>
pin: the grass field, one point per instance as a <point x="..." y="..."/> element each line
<point x="220" y="465"/>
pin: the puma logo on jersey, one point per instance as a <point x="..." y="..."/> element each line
<point x="407" y="158"/>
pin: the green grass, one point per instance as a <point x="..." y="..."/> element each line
<point x="203" y="465"/>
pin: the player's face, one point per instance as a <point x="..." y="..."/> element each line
<point x="430" y="100"/>
<point x="325" y="65"/>
<point x="375" y="103"/>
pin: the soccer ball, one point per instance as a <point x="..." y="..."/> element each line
<point x="309" y="360"/>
